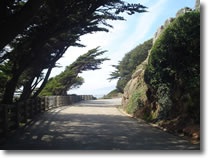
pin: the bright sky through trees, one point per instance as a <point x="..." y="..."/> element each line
<point x="124" y="37"/>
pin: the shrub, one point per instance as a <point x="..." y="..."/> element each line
<point x="138" y="98"/>
<point x="174" y="64"/>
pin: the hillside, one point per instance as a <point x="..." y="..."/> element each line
<point x="165" y="88"/>
<point x="113" y="94"/>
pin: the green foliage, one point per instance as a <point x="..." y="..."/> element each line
<point x="3" y="80"/>
<point x="174" y="64"/>
<point x="77" y="82"/>
<point x="134" y="102"/>
<point x="129" y="63"/>
<point x="39" y="32"/>
<point x="5" y="75"/>
<point x="60" y="84"/>
<point x="115" y="74"/>
<point x="138" y="97"/>
<point x="122" y="83"/>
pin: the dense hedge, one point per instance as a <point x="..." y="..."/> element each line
<point x="173" y="70"/>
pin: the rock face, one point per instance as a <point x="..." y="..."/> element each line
<point x="157" y="34"/>
<point x="132" y="85"/>
<point x="161" y="28"/>
<point x="182" y="11"/>
<point x="197" y="5"/>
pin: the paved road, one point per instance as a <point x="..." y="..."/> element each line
<point x="93" y="125"/>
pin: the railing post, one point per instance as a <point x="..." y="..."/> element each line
<point x="43" y="102"/>
<point x="46" y="103"/>
<point x="49" y="102"/>
<point x="3" y="123"/>
<point x="39" y="105"/>
<point x="17" y="115"/>
<point x="56" y="101"/>
<point x="36" y="106"/>
<point x="24" y="112"/>
<point x="70" y="100"/>
<point x="5" y="120"/>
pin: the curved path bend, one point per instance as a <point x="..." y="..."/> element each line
<point x="93" y="125"/>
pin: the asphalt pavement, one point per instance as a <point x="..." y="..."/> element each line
<point x="93" y="125"/>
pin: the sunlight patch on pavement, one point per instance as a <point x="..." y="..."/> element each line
<point x="47" y="138"/>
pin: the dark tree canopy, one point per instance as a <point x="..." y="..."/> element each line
<point x="16" y="14"/>
<point x="43" y="39"/>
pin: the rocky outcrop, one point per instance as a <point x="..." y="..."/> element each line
<point x="134" y="83"/>
<point x="197" y="5"/>
<point x="161" y="28"/>
<point x="183" y="11"/>
<point x="157" y="34"/>
<point x="141" y="101"/>
<point x="138" y="76"/>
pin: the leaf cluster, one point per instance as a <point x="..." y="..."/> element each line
<point x="60" y="84"/>
<point x="128" y="64"/>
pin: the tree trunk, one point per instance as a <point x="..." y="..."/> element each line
<point x="10" y="88"/>
<point x="44" y="83"/>
<point x="27" y="90"/>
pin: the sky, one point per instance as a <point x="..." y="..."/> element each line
<point x="124" y="37"/>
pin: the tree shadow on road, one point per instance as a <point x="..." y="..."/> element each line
<point x="57" y="131"/>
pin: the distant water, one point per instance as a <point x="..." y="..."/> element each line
<point x="99" y="95"/>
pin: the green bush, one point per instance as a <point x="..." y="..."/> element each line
<point x="174" y="64"/>
<point x="138" y="98"/>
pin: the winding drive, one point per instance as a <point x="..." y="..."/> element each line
<point x="93" y="125"/>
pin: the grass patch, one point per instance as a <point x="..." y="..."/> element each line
<point x="137" y="98"/>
